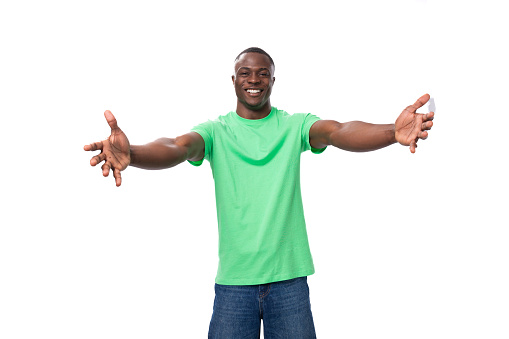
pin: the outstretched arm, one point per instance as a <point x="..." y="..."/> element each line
<point x="358" y="136"/>
<point x="117" y="153"/>
<point x="354" y="136"/>
<point x="168" y="152"/>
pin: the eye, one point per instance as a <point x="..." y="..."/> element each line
<point x="243" y="74"/>
<point x="264" y="74"/>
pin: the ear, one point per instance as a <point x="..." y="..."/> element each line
<point x="233" y="79"/>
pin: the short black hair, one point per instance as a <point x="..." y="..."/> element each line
<point x="255" y="50"/>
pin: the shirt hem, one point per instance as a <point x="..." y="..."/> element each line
<point x="264" y="280"/>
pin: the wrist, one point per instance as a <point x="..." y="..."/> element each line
<point x="133" y="155"/>
<point x="391" y="133"/>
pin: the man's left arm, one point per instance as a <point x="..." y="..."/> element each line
<point x="358" y="136"/>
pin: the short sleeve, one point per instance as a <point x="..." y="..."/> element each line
<point x="206" y="130"/>
<point x="309" y="120"/>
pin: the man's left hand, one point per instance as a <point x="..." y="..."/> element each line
<point x="411" y="126"/>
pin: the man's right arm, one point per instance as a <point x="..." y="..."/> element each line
<point x="168" y="152"/>
<point x="117" y="153"/>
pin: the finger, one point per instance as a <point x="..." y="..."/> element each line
<point x="426" y="125"/>
<point x="118" y="177"/>
<point x="94" y="146"/>
<point x="413" y="146"/>
<point x="429" y="116"/>
<point x="106" y="169"/>
<point x="110" y="118"/>
<point x="423" y="135"/>
<point x="420" y="102"/>
<point x="97" y="159"/>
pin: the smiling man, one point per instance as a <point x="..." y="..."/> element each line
<point x="253" y="80"/>
<point x="254" y="153"/>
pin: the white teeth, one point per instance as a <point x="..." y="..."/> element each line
<point x="253" y="91"/>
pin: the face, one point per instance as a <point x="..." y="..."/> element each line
<point x="253" y="80"/>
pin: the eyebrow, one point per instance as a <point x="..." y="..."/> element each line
<point x="249" y="68"/>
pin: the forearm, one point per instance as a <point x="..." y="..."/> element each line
<point x="358" y="136"/>
<point x="160" y="154"/>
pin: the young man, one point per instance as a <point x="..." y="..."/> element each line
<point x="254" y="153"/>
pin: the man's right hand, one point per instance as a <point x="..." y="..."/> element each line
<point x="115" y="151"/>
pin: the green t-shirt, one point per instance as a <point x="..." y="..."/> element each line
<point x="256" y="170"/>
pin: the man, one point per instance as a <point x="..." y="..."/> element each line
<point x="254" y="154"/>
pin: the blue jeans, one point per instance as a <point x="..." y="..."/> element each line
<point x="284" y="307"/>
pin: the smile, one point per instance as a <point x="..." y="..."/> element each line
<point x="253" y="91"/>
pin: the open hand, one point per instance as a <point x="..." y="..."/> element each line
<point x="115" y="151"/>
<point x="412" y="126"/>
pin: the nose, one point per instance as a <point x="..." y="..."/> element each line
<point x="253" y="78"/>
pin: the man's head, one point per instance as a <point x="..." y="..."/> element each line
<point x="255" y="50"/>
<point x="253" y="78"/>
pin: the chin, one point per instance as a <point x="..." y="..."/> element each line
<point x="255" y="106"/>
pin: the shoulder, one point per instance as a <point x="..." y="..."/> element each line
<point x="219" y="121"/>
<point x="282" y="114"/>
<point x="298" y="118"/>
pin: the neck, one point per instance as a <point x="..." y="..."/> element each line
<point x="253" y="114"/>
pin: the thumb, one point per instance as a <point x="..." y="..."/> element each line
<point x="110" y="118"/>
<point x="420" y="102"/>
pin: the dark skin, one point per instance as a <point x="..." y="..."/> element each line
<point x="253" y="80"/>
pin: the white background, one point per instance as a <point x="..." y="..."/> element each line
<point x="405" y="245"/>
